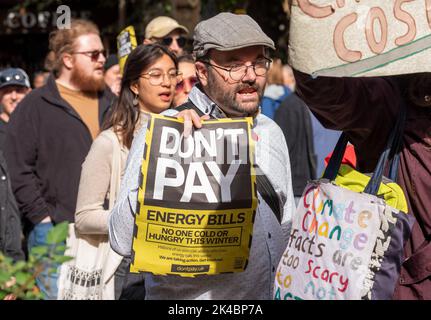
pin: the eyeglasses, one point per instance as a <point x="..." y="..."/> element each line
<point x="181" y="41"/>
<point x="238" y="72"/>
<point x="94" y="55"/>
<point x="156" y="77"/>
<point x="190" y="80"/>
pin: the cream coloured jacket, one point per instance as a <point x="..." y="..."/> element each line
<point x="94" y="186"/>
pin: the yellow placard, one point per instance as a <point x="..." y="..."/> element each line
<point x="126" y="42"/>
<point x="197" y="198"/>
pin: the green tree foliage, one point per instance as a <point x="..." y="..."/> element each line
<point x="19" y="278"/>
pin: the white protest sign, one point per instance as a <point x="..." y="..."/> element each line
<point x="360" y="38"/>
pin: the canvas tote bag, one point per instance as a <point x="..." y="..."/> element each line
<point x="348" y="232"/>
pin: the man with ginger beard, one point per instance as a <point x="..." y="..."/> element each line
<point x="51" y="132"/>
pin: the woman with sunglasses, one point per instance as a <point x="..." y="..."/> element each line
<point x="148" y="86"/>
<point x="186" y="66"/>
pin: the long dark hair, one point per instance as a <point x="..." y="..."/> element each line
<point x="124" y="115"/>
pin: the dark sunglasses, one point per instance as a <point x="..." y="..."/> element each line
<point x="94" y="55"/>
<point x="181" y="41"/>
<point x="191" y="80"/>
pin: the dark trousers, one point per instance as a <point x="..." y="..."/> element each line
<point x="129" y="286"/>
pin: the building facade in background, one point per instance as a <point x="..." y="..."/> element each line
<point x="25" y="26"/>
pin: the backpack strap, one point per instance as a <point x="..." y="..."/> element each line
<point x="267" y="191"/>
<point x="264" y="186"/>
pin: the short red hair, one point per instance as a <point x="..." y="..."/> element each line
<point x="62" y="40"/>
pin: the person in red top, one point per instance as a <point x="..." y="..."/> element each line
<point x="367" y="109"/>
<point x="349" y="157"/>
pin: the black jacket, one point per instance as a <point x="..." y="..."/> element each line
<point x="294" y="120"/>
<point x="10" y="219"/>
<point x="3" y="126"/>
<point x="46" y="144"/>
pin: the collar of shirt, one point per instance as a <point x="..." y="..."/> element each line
<point x="205" y="104"/>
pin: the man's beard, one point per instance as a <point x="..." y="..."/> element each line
<point x="226" y="99"/>
<point x="87" y="83"/>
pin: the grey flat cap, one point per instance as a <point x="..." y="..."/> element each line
<point x="227" y="31"/>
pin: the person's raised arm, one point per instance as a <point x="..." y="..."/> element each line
<point x="365" y="108"/>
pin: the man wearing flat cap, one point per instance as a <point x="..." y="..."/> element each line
<point x="232" y="63"/>
<point x="167" y="32"/>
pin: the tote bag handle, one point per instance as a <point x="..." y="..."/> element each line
<point x="390" y="153"/>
